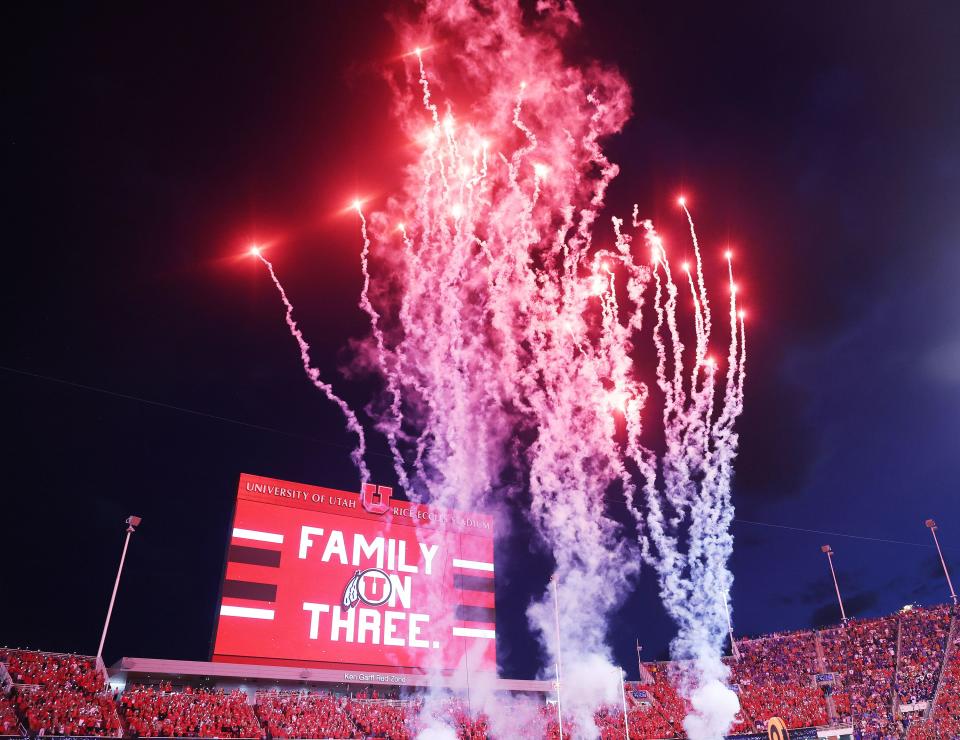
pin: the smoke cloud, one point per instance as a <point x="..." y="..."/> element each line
<point x="509" y="346"/>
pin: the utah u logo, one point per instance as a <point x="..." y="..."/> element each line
<point x="376" y="499"/>
<point x="371" y="586"/>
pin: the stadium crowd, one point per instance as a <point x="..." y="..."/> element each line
<point x="64" y="711"/>
<point x="944" y="720"/>
<point x="778" y="659"/>
<point x="302" y="714"/>
<point x="775" y="676"/>
<point x="390" y="720"/>
<point x="670" y="706"/>
<point x="841" y="707"/>
<point x="882" y="667"/>
<point x="163" y="712"/>
<point x="863" y="655"/>
<point x="60" y="694"/>
<point x="468" y="727"/>
<point x="946" y="714"/>
<point x="54" y="669"/>
<point x="9" y="724"/>
<point x="923" y="638"/>
<point x="654" y="710"/>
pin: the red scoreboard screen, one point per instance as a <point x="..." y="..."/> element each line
<point x="330" y="579"/>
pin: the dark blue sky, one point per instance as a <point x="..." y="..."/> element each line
<point x="144" y="147"/>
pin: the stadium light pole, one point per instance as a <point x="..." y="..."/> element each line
<point x="826" y="549"/>
<point x="623" y="697"/>
<point x="556" y="614"/>
<point x="932" y="526"/>
<point x="733" y="643"/>
<point x="132" y="523"/>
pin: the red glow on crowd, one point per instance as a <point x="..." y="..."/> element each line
<point x="872" y="666"/>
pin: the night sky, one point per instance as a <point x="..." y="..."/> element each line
<point x="145" y="362"/>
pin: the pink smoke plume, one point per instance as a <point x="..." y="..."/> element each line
<point x="508" y="341"/>
<point x="487" y="307"/>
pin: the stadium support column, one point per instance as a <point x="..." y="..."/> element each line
<point x="623" y="697"/>
<point x="826" y="549"/>
<point x="132" y="523"/>
<point x="556" y="614"/>
<point x="932" y="526"/>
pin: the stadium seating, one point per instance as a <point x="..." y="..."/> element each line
<point x="162" y="712"/>
<point x="923" y="639"/>
<point x="776" y="676"/>
<point x="54" y="669"/>
<point x="841" y="705"/>
<point x="797" y="705"/>
<point x="65" y="711"/>
<point x="468" y="727"/>
<point x="944" y="720"/>
<point x="547" y="726"/>
<point x="664" y="719"/>
<point x="777" y="659"/>
<point x="880" y="664"/>
<point x="60" y="694"/>
<point x="644" y="722"/>
<point x="9" y="724"/>
<point x="863" y="654"/>
<point x="306" y="715"/>
<point x="388" y="720"/>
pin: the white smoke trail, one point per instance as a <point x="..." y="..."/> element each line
<point x="314" y="374"/>
<point x="391" y="425"/>
<point x="692" y="544"/>
<point x="508" y="347"/>
<point x="507" y="333"/>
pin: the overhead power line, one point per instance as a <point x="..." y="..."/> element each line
<point x="273" y="430"/>
<point x="834" y="534"/>
<point x="179" y="409"/>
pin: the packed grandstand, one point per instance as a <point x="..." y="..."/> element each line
<point x="894" y="676"/>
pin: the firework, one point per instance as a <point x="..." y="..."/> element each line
<point x="508" y="342"/>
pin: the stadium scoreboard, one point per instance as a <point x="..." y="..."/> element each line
<point x="331" y="579"/>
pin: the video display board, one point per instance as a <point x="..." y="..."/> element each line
<point x="330" y="579"/>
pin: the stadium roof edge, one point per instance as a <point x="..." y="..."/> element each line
<point x="161" y="668"/>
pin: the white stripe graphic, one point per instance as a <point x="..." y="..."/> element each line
<point x="472" y="565"/>
<point x="474" y="632"/>
<point x="252" y="534"/>
<point x="245" y="611"/>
